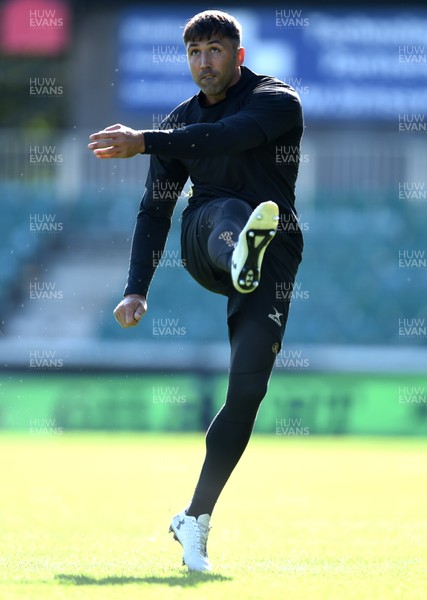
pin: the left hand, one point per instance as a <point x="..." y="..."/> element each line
<point x="117" y="141"/>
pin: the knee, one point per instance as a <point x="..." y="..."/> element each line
<point x="234" y="207"/>
<point x="245" y="393"/>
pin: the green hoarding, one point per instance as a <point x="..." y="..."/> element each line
<point x="296" y="403"/>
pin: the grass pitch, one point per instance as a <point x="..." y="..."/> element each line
<point x="85" y="517"/>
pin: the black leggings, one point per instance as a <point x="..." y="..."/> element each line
<point x="252" y="359"/>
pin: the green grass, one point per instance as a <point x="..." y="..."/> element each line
<point x="86" y="516"/>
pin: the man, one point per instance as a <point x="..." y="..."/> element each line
<point x="240" y="147"/>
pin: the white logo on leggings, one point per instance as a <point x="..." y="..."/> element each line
<point x="276" y="316"/>
<point x="227" y="236"/>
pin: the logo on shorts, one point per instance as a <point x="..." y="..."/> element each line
<point x="227" y="236"/>
<point x="276" y="316"/>
<point x="275" y="348"/>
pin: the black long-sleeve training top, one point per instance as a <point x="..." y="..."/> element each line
<point x="246" y="146"/>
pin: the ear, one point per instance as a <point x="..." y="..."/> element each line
<point x="240" y="56"/>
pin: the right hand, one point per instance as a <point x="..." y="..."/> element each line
<point x="117" y="141"/>
<point x="130" y="310"/>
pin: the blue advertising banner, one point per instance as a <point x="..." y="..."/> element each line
<point x="345" y="64"/>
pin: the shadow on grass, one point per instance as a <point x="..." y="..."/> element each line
<point x="186" y="580"/>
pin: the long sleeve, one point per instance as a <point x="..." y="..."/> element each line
<point x="164" y="184"/>
<point x="271" y="112"/>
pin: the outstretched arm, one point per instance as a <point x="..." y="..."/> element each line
<point x="270" y="113"/>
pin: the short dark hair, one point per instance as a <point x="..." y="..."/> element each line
<point x="209" y="23"/>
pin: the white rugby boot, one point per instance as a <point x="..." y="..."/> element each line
<point x="192" y="534"/>
<point x="254" y="238"/>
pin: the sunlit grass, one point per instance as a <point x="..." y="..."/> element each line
<point x="86" y="517"/>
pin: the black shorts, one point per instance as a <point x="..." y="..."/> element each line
<point x="269" y="303"/>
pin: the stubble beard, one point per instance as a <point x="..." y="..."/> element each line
<point x="216" y="86"/>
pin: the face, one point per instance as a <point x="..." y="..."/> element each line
<point x="215" y="66"/>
